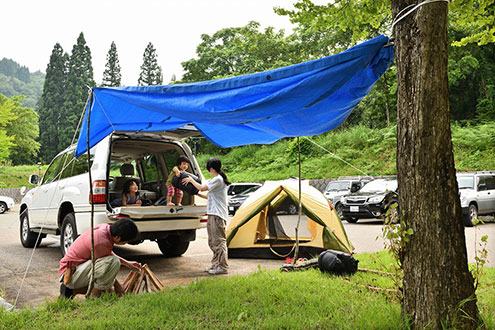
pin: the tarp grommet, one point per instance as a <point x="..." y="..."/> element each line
<point x="164" y="90"/>
<point x="268" y="77"/>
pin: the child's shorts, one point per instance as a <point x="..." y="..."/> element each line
<point x="171" y="190"/>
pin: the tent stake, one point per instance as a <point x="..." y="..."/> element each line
<point x="296" y="252"/>
<point x="92" y="277"/>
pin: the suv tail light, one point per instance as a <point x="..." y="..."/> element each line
<point x="98" y="192"/>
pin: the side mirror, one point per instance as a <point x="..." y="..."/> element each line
<point x="34" y="178"/>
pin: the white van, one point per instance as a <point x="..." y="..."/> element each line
<point x="60" y="204"/>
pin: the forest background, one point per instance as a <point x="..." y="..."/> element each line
<point x="39" y="112"/>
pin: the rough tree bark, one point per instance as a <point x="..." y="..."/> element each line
<point x="438" y="287"/>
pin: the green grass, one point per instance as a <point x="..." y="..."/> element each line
<point x="18" y="176"/>
<point x="264" y="299"/>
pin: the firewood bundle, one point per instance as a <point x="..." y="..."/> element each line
<point x="143" y="281"/>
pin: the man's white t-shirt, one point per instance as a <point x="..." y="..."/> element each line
<point x="217" y="198"/>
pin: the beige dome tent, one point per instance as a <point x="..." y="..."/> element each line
<point x="261" y="229"/>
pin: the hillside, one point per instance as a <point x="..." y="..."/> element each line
<point x="17" y="80"/>
<point x="370" y="150"/>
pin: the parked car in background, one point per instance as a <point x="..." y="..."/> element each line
<point x="6" y="203"/>
<point x="61" y="203"/>
<point x="371" y="201"/>
<point x="477" y="194"/>
<point x="236" y="201"/>
<point x="240" y="187"/>
<point x="343" y="186"/>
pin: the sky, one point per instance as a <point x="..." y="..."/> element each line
<point x="30" y="28"/>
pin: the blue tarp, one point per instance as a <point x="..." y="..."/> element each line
<point x="299" y="100"/>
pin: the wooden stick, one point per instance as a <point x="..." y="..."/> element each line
<point x="153" y="278"/>
<point x="137" y="287"/>
<point x="131" y="282"/>
<point x="127" y="279"/>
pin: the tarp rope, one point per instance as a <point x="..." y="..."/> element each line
<point x="334" y="155"/>
<point x="398" y="18"/>
<point x="56" y="178"/>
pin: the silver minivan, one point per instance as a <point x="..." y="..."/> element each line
<point x="61" y="204"/>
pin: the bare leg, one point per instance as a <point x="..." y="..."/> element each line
<point x="169" y="201"/>
<point x="179" y="200"/>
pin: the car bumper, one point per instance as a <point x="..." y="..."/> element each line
<point x="372" y="211"/>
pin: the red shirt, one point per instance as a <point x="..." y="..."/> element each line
<point x="80" y="251"/>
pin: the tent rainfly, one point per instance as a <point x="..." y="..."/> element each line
<point x="260" y="230"/>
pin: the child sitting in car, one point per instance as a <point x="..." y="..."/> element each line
<point x="182" y="166"/>
<point x="130" y="195"/>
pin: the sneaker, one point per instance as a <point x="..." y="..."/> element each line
<point x="207" y="270"/>
<point x="217" y="271"/>
<point x="65" y="292"/>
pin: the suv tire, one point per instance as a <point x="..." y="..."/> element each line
<point x="351" y="220"/>
<point x="339" y="208"/>
<point x="29" y="239"/>
<point x="173" y="246"/>
<point x="472" y="214"/>
<point x="68" y="233"/>
<point x="3" y="207"/>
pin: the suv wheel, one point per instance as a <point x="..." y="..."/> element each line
<point x="3" y="207"/>
<point x="339" y="208"/>
<point x="472" y="214"/>
<point x="172" y="246"/>
<point x="29" y="239"/>
<point x="68" y="233"/>
<point x="352" y="220"/>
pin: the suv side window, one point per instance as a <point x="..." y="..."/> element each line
<point x="67" y="164"/>
<point x="490" y="182"/>
<point x="150" y="168"/>
<point x="80" y="165"/>
<point x="52" y="170"/>
<point x="482" y="183"/>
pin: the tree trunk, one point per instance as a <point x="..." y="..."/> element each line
<point x="438" y="287"/>
<point x="385" y="93"/>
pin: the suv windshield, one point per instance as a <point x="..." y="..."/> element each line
<point x="337" y="185"/>
<point x="379" y="185"/>
<point x="465" y="181"/>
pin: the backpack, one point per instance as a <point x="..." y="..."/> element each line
<point x="337" y="262"/>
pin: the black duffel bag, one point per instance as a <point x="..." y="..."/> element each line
<point x="337" y="262"/>
<point x="189" y="188"/>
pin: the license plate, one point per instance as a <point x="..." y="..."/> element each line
<point x="354" y="208"/>
<point x="231" y="208"/>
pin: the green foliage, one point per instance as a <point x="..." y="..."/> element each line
<point x="240" y="50"/>
<point x="23" y="130"/>
<point x="79" y="79"/>
<point x="7" y="115"/>
<point x="112" y="76"/>
<point x="477" y="17"/>
<point x="50" y="105"/>
<point x="18" y="176"/>
<point x="17" y="80"/>
<point x="151" y="72"/>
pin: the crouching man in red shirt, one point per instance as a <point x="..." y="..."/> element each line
<point x="75" y="267"/>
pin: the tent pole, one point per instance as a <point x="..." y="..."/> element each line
<point x="92" y="277"/>
<point x="296" y="252"/>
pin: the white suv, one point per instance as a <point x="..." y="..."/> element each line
<point x="477" y="193"/>
<point x="60" y="204"/>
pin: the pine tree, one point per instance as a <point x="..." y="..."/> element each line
<point x="111" y="75"/>
<point x="79" y="79"/>
<point x="51" y="103"/>
<point x="151" y="72"/>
